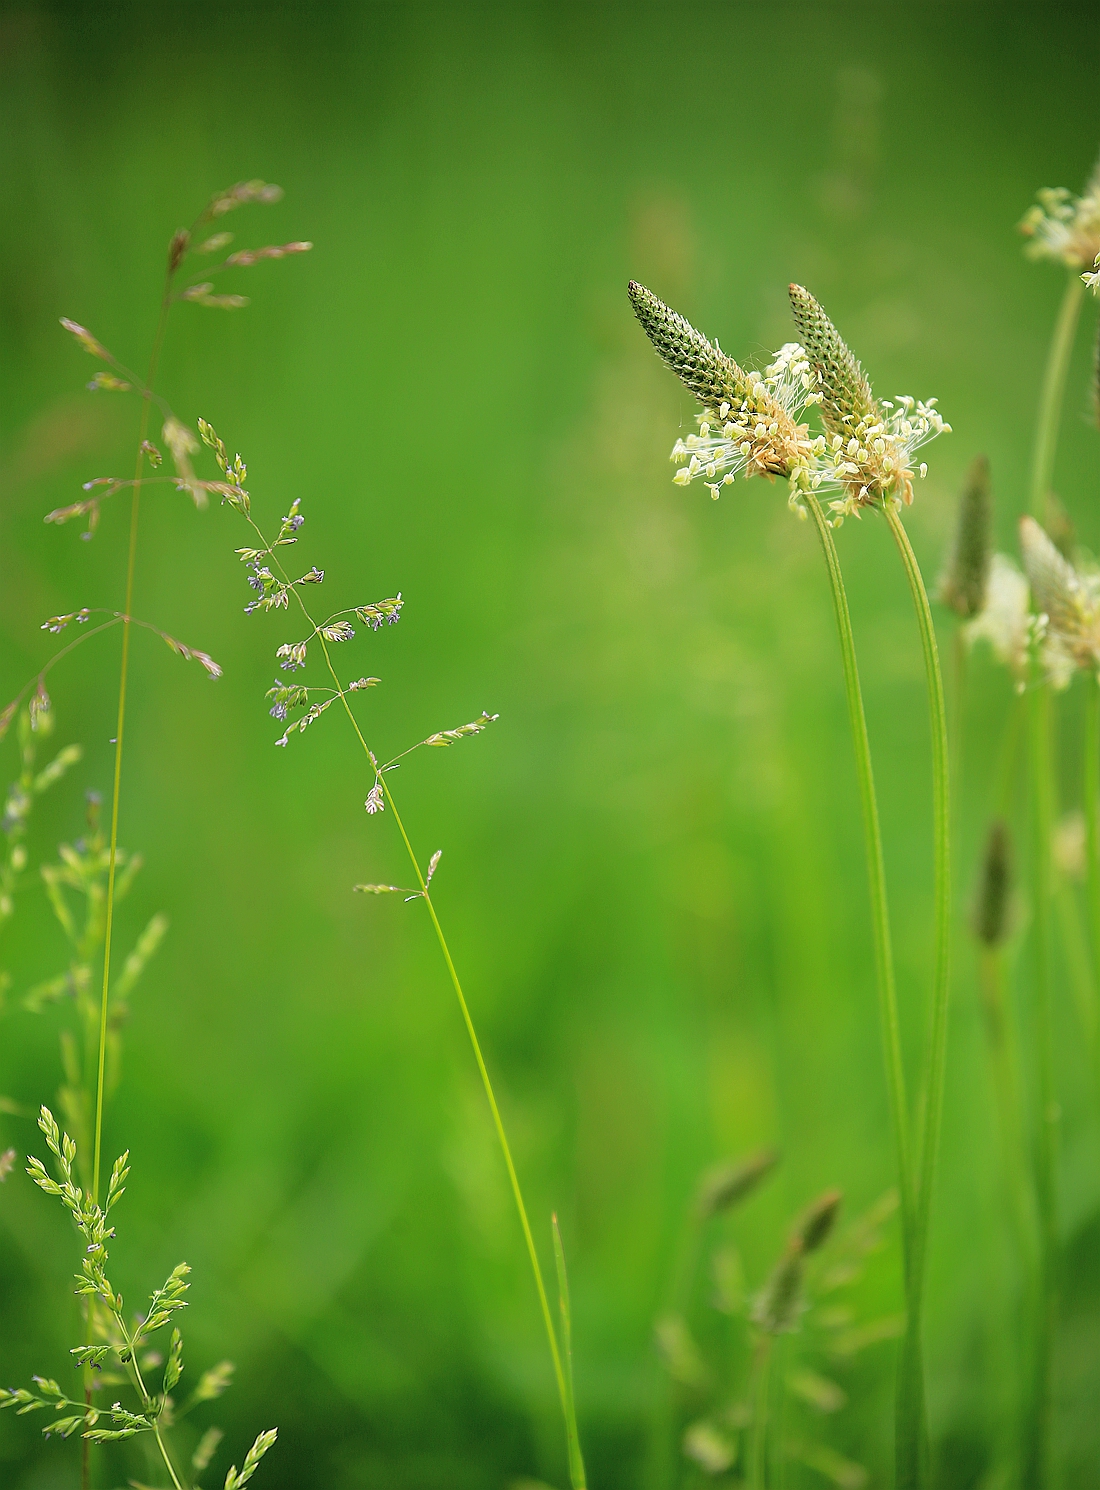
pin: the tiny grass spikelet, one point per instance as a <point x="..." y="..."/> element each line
<point x="728" y="1184"/>
<point x="963" y="583"/>
<point x="714" y="1451"/>
<point x="246" y="257"/>
<point x="449" y="736"/>
<point x="57" y="624"/>
<point x="381" y="612"/>
<point x="817" y="1222"/>
<point x="240" y="193"/>
<point x="780" y="1304"/>
<point x="234" y="1480"/>
<point x="181" y="447"/>
<point x="86" y="339"/>
<point x="871" y="443"/>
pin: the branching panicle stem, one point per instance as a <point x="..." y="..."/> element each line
<point x="564" y="1393"/>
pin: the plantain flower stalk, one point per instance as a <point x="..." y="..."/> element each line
<point x="871" y="442"/>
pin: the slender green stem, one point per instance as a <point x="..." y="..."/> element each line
<point x="112" y="861"/>
<point x="1017" y="1187"/>
<point x="957" y="740"/>
<point x="1053" y="392"/>
<point x="909" y="1404"/>
<point x="1090" y="797"/>
<point x="1002" y="1046"/>
<point x="576" y="1460"/>
<point x="124" y="673"/>
<point x="876" y="873"/>
<point x="498" y="1122"/>
<point x="913" y="1470"/>
<point x="758" y="1443"/>
<point x="1038" y="1415"/>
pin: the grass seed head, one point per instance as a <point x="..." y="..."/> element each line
<point x="963" y="584"/>
<point x="818" y="1220"/>
<point x="991" y="905"/>
<point x="726" y="1185"/>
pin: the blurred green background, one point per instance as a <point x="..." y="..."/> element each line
<point x="652" y="872"/>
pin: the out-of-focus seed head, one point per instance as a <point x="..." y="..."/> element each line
<point x="1067" y="599"/>
<point x="779" y="1304"/>
<point x="1066" y="228"/>
<point x="818" y="1220"/>
<point x="963" y="584"/>
<point x="728" y="1184"/>
<point x="1004" y="621"/>
<point x="991" y="903"/>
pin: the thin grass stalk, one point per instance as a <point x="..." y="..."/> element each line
<point x="1090" y="797"/>
<point x="1002" y="1050"/>
<point x="483" y="1070"/>
<point x="1036" y="1460"/>
<point x="112" y="860"/>
<point x="1053" y="393"/>
<point x="913" y="1469"/>
<point x="576" y="1459"/>
<point x="959" y="733"/>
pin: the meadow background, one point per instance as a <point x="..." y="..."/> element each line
<point x="652" y="873"/>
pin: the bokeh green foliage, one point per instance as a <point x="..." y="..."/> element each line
<point x="652" y="873"/>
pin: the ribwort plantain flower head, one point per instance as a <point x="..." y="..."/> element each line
<point x="1004" y="620"/>
<point x="1066" y="228"/>
<point x="1068" y="600"/>
<point x="963" y="584"/>
<point x="871" y="442"/>
<point x="750" y="421"/>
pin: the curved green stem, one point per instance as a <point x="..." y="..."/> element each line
<point x="876" y="872"/>
<point x="483" y="1070"/>
<point x="913" y="1470"/>
<point x="1053" y="391"/>
<point x="909" y="1404"/>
